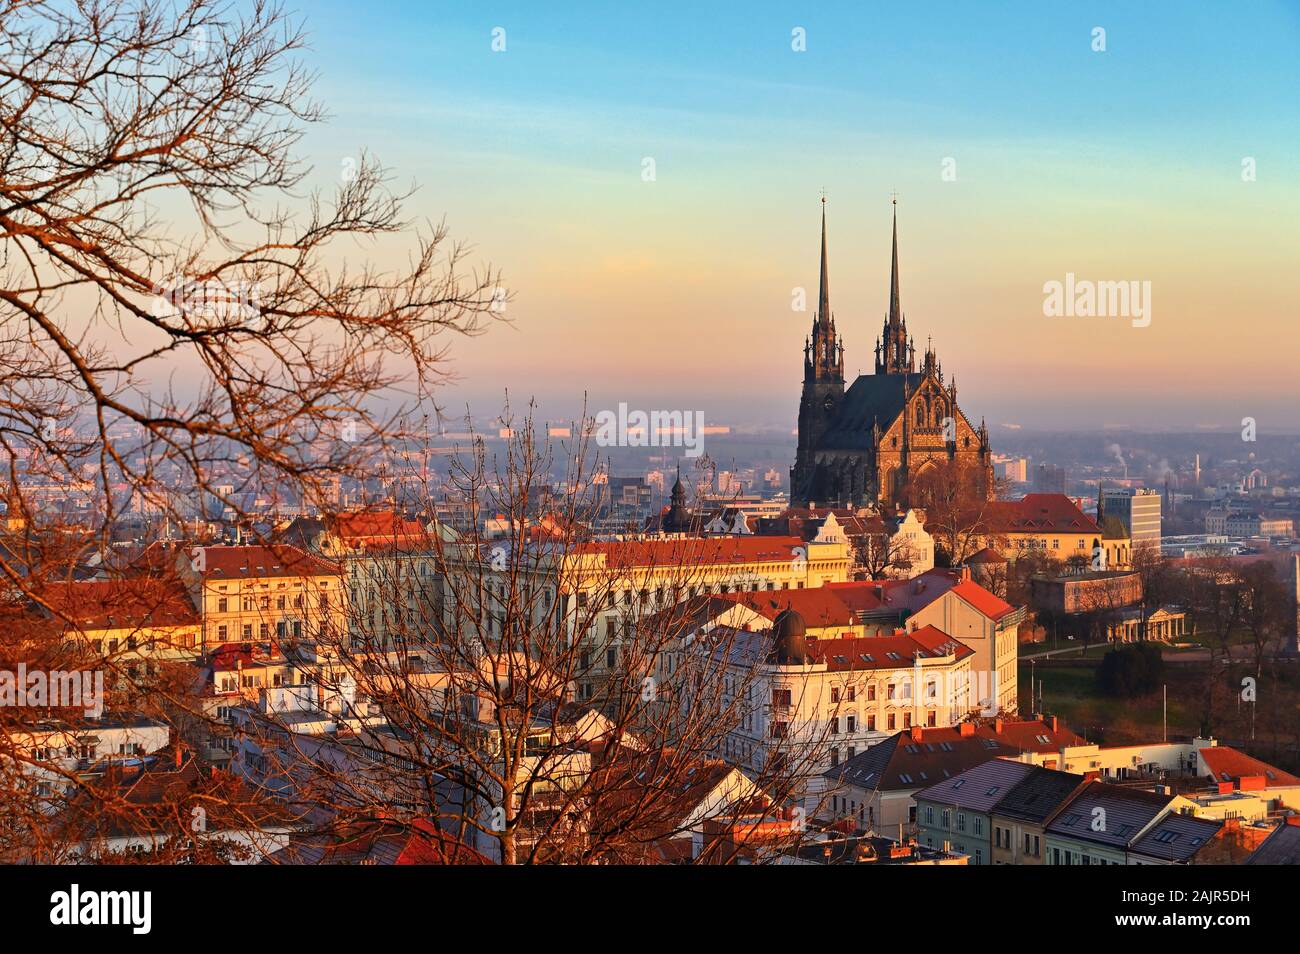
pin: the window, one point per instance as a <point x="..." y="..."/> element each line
<point x="835" y="694"/>
<point x="852" y="724"/>
<point x="781" y="698"/>
<point x="222" y="605"/>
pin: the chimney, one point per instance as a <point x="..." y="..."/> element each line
<point x="917" y="733"/>
<point x="963" y="572"/>
<point x="1052" y="723"/>
<point x="997" y="726"/>
<point x="966" y="729"/>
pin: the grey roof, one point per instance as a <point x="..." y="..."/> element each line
<point x="1280" y="848"/>
<point x="1176" y="837"/>
<point x="1038" y="795"/>
<point x="1124" y="813"/>
<point x="980" y="788"/>
<point x="871" y="398"/>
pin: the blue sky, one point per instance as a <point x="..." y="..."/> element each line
<point x="1120" y="164"/>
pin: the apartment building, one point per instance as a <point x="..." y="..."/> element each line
<point x="957" y="813"/>
<point x="276" y="594"/>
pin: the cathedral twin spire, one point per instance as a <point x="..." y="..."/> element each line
<point x="895" y="352"/>
<point x="824" y="352"/>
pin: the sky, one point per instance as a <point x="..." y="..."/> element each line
<point x="1018" y="152"/>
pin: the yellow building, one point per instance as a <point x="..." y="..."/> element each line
<point x="133" y="621"/>
<point x="605" y="591"/>
<point x="1053" y="526"/>
<point x="265" y="594"/>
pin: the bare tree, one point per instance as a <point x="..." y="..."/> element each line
<point x="541" y="706"/>
<point x="173" y="334"/>
<point x="957" y="498"/>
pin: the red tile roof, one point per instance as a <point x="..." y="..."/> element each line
<point x="987" y="603"/>
<point x="122" y="604"/>
<point x="252" y="562"/>
<point x="1229" y="765"/>
<point x="375" y="523"/>
<point x="885" y="652"/>
<point x="818" y="606"/>
<point x="915" y="594"/>
<point x="1038" y="513"/>
<point x="382" y="842"/>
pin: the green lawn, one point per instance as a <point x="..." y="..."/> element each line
<point x="1070" y="692"/>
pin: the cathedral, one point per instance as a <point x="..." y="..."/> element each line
<point x="868" y="444"/>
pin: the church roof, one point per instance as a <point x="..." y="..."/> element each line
<point x="871" y="398"/>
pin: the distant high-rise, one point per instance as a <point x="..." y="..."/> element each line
<point x="1049" y="479"/>
<point x="1138" y="509"/>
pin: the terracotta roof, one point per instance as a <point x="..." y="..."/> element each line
<point x="885" y="652"/>
<point x="382" y="842"/>
<point x="375" y="523"/>
<point x="917" y="593"/>
<point x="1038" y="513"/>
<point x="987" y="603"/>
<point x="818" y="606"/>
<point x="987" y="555"/>
<point x="130" y="603"/>
<point x="253" y="562"/>
<point x="1227" y="764"/>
